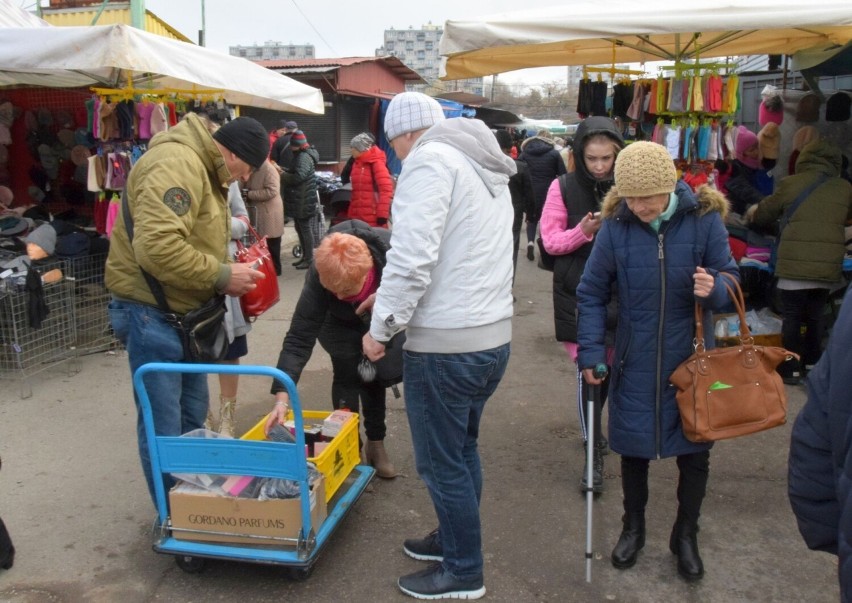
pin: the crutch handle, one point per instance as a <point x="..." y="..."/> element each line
<point x="600" y="371"/>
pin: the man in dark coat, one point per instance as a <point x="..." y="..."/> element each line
<point x="523" y="197"/>
<point x="545" y="164"/>
<point x="820" y="476"/>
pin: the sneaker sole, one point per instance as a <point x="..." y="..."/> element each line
<point x="422" y="556"/>
<point x="455" y="594"/>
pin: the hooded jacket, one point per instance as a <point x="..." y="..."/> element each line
<point x="584" y="194"/>
<point x="299" y="186"/>
<point x="813" y="244"/>
<point x="372" y="187"/>
<point x="177" y="196"/>
<point x="653" y="276"/>
<point x="449" y="273"/>
<point x="820" y="471"/>
<point x="321" y="315"/>
<point x="545" y="164"/>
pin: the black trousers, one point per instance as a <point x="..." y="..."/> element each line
<point x="803" y="307"/>
<point x="275" y="252"/>
<point x="694" y="469"/>
<point x="348" y="391"/>
<point x="306" y="238"/>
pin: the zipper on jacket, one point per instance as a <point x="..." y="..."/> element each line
<point x="657" y="394"/>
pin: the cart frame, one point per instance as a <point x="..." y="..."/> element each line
<point x="239" y="457"/>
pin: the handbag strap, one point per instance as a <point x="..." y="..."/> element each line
<point x="788" y="215"/>
<point x="153" y="284"/>
<point x="735" y="293"/>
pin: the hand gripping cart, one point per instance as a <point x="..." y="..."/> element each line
<point x="224" y="456"/>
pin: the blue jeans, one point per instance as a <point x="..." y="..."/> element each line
<point x="445" y="395"/>
<point x="178" y="400"/>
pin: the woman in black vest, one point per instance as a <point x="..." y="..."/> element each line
<point x="569" y="222"/>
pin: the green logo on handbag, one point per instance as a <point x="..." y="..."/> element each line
<point x="720" y="385"/>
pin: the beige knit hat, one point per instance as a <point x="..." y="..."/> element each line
<point x="644" y="169"/>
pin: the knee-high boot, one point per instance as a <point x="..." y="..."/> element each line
<point x="691" y="488"/>
<point x="634" y="483"/>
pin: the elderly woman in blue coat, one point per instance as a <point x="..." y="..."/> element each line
<point x="663" y="247"/>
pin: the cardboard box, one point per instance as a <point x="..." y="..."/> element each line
<point x="196" y="509"/>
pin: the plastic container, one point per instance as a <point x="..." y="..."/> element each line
<point x="336" y="461"/>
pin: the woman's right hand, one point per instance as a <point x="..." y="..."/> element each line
<point x="589" y="377"/>
<point x="590" y="224"/>
<point x="279" y="412"/>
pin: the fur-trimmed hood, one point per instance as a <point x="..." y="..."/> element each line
<point x="706" y="198"/>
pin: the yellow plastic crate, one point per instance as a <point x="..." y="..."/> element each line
<point x="339" y="457"/>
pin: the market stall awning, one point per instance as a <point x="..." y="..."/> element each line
<point x="590" y="33"/>
<point x="119" y="56"/>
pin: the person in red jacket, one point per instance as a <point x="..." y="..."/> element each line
<point x="372" y="185"/>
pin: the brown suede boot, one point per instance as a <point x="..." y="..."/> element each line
<point x="377" y="456"/>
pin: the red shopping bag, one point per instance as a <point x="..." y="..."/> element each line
<point x="266" y="294"/>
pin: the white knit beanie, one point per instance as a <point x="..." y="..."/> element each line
<point x="410" y="112"/>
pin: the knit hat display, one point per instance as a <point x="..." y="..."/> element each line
<point x="803" y="136"/>
<point x="769" y="140"/>
<point x="808" y="109"/>
<point x="45" y="237"/>
<point x="837" y="107"/>
<point x="644" y="169"/>
<point x="298" y="139"/>
<point x="246" y="138"/>
<point x="410" y="112"/>
<point x="362" y="141"/>
<point x="771" y="110"/>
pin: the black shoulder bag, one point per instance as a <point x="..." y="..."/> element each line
<point x="202" y="331"/>
<point x="545" y="260"/>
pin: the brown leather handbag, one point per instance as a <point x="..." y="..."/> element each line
<point x="734" y="391"/>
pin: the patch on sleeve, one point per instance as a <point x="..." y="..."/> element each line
<point x="177" y="200"/>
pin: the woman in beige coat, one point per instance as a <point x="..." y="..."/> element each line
<point x="264" y="195"/>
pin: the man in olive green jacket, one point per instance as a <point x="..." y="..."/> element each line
<point x="811" y="247"/>
<point x="177" y="198"/>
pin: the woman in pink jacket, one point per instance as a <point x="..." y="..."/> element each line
<point x="372" y="185"/>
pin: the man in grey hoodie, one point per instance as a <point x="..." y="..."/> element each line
<point x="448" y="282"/>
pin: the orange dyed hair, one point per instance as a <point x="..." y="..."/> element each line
<point x="342" y="262"/>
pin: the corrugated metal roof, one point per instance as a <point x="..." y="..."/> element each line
<point x="110" y="16"/>
<point x="399" y="68"/>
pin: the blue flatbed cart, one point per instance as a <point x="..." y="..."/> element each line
<point x="225" y="456"/>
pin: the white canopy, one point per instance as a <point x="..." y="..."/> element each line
<point x="591" y="32"/>
<point x="117" y="55"/>
<point x="13" y="16"/>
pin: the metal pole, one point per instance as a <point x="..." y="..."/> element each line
<point x="202" y="35"/>
<point x="137" y="14"/>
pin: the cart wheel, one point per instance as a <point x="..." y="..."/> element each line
<point x="297" y="251"/>
<point x="189" y="564"/>
<point x="300" y="574"/>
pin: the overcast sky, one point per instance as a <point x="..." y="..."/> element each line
<point x="336" y="28"/>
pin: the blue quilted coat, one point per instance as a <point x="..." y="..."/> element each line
<point x="820" y="478"/>
<point x="653" y="272"/>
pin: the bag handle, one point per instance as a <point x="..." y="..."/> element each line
<point x="735" y="293"/>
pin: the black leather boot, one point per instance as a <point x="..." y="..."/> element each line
<point x="630" y="542"/>
<point x="684" y="544"/>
